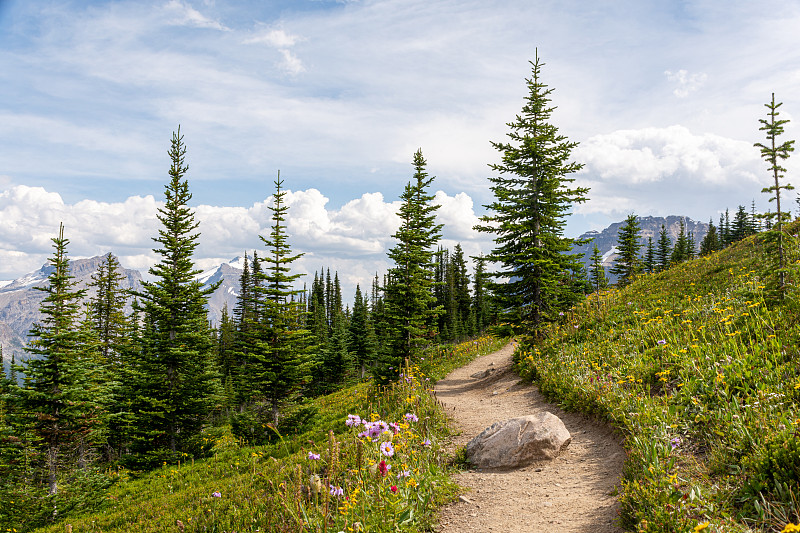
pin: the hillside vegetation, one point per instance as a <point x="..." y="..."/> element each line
<point x="699" y="368"/>
<point x="324" y="477"/>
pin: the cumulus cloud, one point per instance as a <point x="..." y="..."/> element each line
<point x="352" y="239"/>
<point x="667" y="171"/>
<point x="655" y="154"/>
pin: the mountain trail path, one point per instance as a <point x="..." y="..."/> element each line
<point x="573" y="493"/>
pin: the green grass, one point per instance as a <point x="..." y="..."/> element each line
<point x="279" y="488"/>
<point x="699" y="369"/>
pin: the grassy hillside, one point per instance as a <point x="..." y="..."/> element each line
<point x="324" y="478"/>
<point x="699" y="368"/>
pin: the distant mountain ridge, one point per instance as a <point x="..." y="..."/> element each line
<point x="649" y="227"/>
<point x="20" y="301"/>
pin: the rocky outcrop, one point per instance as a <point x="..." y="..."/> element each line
<point x="519" y="441"/>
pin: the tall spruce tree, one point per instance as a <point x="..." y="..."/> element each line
<point x="410" y="305"/>
<point x="649" y="262"/>
<point x="281" y="349"/>
<point x="663" y="247"/>
<point x="55" y="399"/>
<point x="533" y="196"/>
<point x="597" y="272"/>
<point x="177" y="382"/>
<point x="628" y="264"/>
<point x="680" y="252"/>
<point x="710" y="242"/>
<point x="362" y="334"/>
<point x="774" y="153"/>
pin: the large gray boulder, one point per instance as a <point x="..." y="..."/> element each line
<point x="519" y="441"/>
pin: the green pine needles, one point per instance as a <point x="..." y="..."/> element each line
<point x="533" y="196"/>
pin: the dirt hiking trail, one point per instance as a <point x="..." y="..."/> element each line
<point x="573" y="493"/>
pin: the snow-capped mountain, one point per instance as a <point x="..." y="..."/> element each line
<point x="20" y="301"/>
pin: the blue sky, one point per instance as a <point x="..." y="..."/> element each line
<point x="664" y="98"/>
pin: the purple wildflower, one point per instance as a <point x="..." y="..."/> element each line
<point x="661" y="342"/>
<point x="353" y="420"/>
<point x="216" y="495"/>
<point x="337" y="491"/>
<point x="313" y="456"/>
<point x="675" y="442"/>
<point x="426" y="442"/>
<point x="411" y="417"/>
<point x="387" y="449"/>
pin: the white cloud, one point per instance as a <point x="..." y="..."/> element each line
<point x="687" y="83"/>
<point x="277" y="38"/>
<point x="353" y="239"/>
<point x="186" y="15"/>
<point x="656" y="154"/>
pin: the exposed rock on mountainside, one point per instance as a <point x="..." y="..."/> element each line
<point x="606" y="240"/>
<point x="20" y="301"/>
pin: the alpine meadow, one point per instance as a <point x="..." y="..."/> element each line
<point x="307" y="409"/>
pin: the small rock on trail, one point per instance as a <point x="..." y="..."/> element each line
<point x="572" y="493"/>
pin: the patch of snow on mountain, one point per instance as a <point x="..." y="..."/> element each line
<point x="609" y="253"/>
<point x="3" y="283"/>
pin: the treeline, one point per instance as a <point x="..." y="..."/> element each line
<point x="104" y="389"/>
<point x="635" y="257"/>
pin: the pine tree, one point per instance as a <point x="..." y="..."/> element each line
<point x="56" y="399"/>
<point x="362" y="334"/>
<point x="177" y="380"/>
<point x="681" y="251"/>
<point x="663" y="248"/>
<point x="597" y="272"/>
<point x="480" y="298"/>
<point x="649" y="263"/>
<point x="410" y="306"/>
<point x="627" y="265"/>
<point x="461" y="286"/>
<point x="106" y="314"/>
<point x="533" y="196"/>
<point x="741" y="225"/>
<point x="281" y="350"/>
<point x="774" y="152"/>
<point x="710" y="243"/>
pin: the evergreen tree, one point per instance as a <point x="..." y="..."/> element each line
<point x="710" y="242"/>
<point x="741" y="225"/>
<point x="681" y="251"/>
<point x="774" y="152"/>
<point x="281" y="348"/>
<point x="461" y="286"/>
<point x="177" y="380"/>
<point x="627" y="265"/>
<point x="56" y="399"/>
<point x="533" y="196"/>
<point x="362" y="334"/>
<point x="106" y="314"/>
<point x="597" y="272"/>
<point x="410" y="311"/>
<point x="663" y="248"/>
<point x="480" y="298"/>
<point x="650" y="257"/>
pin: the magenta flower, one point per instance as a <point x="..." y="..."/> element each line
<point x="383" y="468"/>
<point x="393" y="488"/>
